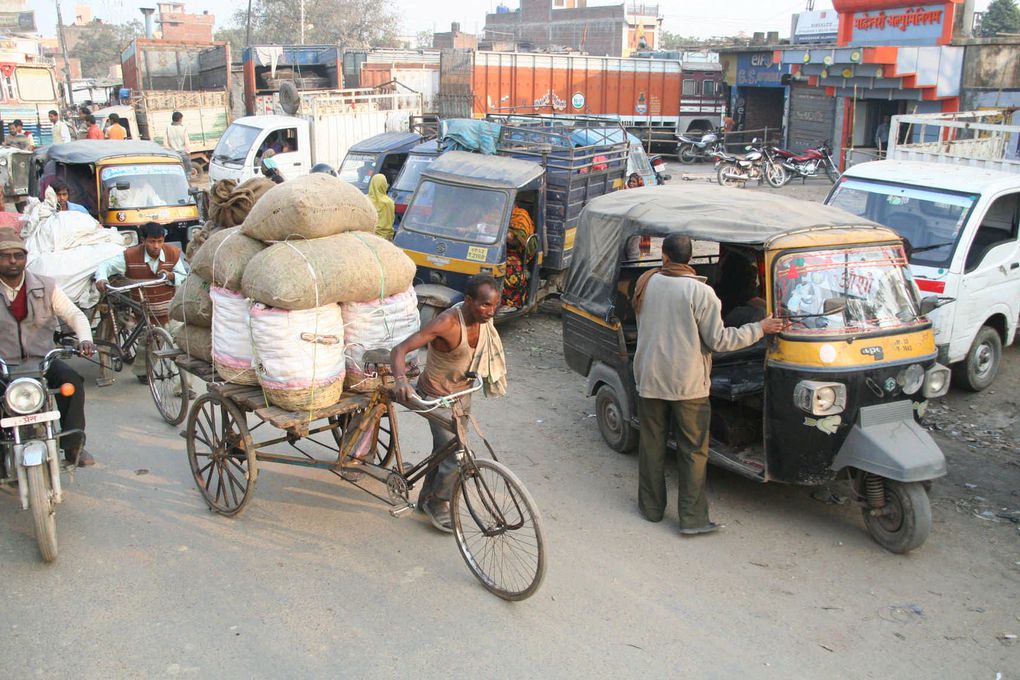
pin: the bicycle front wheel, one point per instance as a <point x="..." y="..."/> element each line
<point x="498" y="530"/>
<point x="168" y="384"/>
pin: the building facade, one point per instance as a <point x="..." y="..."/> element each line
<point x="176" y="24"/>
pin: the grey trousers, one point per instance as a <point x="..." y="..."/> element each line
<point x="691" y="419"/>
<point x="440" y="481"/>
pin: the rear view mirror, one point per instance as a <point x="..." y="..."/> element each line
<point x="930" y="303"/>
<point x="123" y="186"/>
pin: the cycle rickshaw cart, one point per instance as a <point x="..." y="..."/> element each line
<point x="496" y="523"/>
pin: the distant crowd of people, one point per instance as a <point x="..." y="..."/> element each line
<point x="114" y="127"/>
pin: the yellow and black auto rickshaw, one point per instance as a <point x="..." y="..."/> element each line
<point x="837" y="395"/>
<point x="123" y="184"/>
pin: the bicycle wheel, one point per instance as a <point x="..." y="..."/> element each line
<point x="167" y="382"/>
<point x="383" y="455"/>
<point x="498" y="530"/>
<point x="221" y="454"/>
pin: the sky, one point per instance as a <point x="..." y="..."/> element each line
<point x="687" y="17"/>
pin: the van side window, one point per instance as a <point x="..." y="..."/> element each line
<point x="998" y="226"/>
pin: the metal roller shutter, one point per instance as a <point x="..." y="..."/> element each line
<point x="812" y="117"/>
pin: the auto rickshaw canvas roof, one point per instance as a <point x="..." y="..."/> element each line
<point x="93" y="151"/>
<point x="498" y="172"/>
<point x="387" y="141"/>
<point x="705" y="213"/>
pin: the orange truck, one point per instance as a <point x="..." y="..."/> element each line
<point x="663" y="96"/>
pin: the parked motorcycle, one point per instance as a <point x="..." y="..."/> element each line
<point x="659" y="167"/>
<point x="732" y="170"/>
<point x="772" y="166"/>
<point x="692" y="149"/>
<point x="810" y="163"/>
<point x="29" y="443"/>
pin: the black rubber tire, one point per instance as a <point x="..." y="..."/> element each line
<point x="217" y="432"/>
<point x="517" y="531"/>
<point x="168" y="384"/>
<point x="686" y="154"/>
<point x="831" y="174"/>
<point x="978" y="370"/>
<point x="908" y="526"/>
<point x="44" y="510"/>
<point x="776" y="175"/>
<point x="618" y="434"/>
<point x="723" y="180"/>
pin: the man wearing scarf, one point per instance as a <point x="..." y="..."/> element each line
<point x="679" y="326"/>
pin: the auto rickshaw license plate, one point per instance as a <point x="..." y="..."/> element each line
<point x="17" y="421"/>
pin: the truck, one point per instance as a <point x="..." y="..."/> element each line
<point x="950" y="186"/>
<point x="165" y="76"/>
<point x="653" y="98"/>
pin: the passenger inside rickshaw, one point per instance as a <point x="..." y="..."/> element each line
<point x="521" y="249"/>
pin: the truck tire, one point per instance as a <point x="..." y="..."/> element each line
<point x="979" y="368"/>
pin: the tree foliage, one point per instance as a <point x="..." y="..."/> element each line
<point x="1003" y="16"/>
<point x="347" y="23"/>
<point x="100" y="46"/>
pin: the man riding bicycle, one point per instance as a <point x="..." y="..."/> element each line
<point x="33" y="306"/>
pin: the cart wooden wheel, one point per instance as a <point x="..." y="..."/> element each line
<point x="167" y="382"/>
<point x="221" y="454"/>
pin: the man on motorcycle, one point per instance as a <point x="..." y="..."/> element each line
<point x="33" y="306"/>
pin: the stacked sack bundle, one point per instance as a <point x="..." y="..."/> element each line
<point x="229" y="204"/>
<point x="323" y="255"/>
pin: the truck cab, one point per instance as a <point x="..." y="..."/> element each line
<point x="238" y="155"/>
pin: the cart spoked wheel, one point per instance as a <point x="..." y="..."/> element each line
<point x="221" y="454"/>
<point x="498" y="530"/>
<point x="384" y="448"/>
<point x="167" y="382"/>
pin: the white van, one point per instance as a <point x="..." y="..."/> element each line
<point x="961" y="223"/>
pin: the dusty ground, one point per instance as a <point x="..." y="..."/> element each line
<point x="317" y="580"/>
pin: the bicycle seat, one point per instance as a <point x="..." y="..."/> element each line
<point x="376" y="357"/>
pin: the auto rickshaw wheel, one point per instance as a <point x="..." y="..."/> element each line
<point x="618" y="433"/>
<point x="903" y="523"/>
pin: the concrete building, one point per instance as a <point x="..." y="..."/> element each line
<point x="454" y="39"/>
<point x="606" y="30"/>
<point x="177" y="25"/>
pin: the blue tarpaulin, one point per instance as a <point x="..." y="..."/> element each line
<point x="466" y="134"/>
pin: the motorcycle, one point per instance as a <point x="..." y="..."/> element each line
<point x="659" y="167"/>
<point x="693" y="149"/>
<point x="775" y="174"/>
<point x="809" y="163"/>
<point x="734" y="170"/>
<point x="29" y="443"/>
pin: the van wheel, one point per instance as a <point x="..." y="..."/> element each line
<point x="904" y="522"/>
<point x="615" y="430"/>
<point x="979" y="369"/>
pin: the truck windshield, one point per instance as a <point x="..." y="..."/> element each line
<point x="235" y="144"/>
<point x="846" y="291"/>
<point x="409" y="176"/>
<point x="128" y="187"/>
<point x="358" y="169"/>
<point x="463" y="213"/>
<point x="929" y="219"/>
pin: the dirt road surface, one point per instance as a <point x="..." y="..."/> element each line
<point x="315" y="579"/>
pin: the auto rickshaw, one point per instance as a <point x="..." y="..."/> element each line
<point x="385" y="153"/>
<point x="835" y="396"/>
<point x="419" y="158"/>
<point x="123" y="184"/>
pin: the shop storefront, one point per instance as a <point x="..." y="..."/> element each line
<point x="890" y="58"/>
<point x="759" y="95"/>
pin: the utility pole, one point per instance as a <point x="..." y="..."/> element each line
<point x="63" y="52"/>
<point x="247" y="30"/>
<point x="302" y="22"/>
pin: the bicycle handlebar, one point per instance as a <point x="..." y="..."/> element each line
<point x="141" y="284"/>
<point x="438" y="402"/>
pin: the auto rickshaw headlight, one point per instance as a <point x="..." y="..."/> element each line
<point x="24" y="396"/>
<point x="820" y="398"/>
<point x="911" y="378"/>
<point x="936" y="381"/>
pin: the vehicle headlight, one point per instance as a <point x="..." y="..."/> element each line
<point x="936" y="381"/>
<point x="820" y="398"/>
<point x="911" y="378"/>
<point x="24" y="396"/>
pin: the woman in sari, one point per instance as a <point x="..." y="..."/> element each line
<point x="520" y="248"/>
<point x="384" y="207"/>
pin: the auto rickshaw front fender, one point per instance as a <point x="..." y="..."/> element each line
<point x="888" y="442"/>
<point x="435" y="295"/>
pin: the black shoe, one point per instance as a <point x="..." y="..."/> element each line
<point x="438" y="513"/>
<point x="144" y="379"/>
<point x="709" y="528"/>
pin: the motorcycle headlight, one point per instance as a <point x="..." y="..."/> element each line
<point x="24" y="396"/>
<point x="911" y="378"/>
<point x="820" y="398"/>
<point x="936" y="381"/>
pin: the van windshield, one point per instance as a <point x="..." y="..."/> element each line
<point x="929" y="219"/>
<point x="846" y="291"/>
<point x="234" y="145"/>
<point x="463" y="213"/>
<point x="409" y="176"/>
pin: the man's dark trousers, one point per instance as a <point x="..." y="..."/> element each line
<point x="691" y="419"/>
<point x="72" y="409"/>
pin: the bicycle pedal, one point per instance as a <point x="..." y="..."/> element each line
<point x="402" y="510"/>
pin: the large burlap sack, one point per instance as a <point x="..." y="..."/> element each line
<point x="223" y="258"/>
<point x="229" y="205"/>
<point x="191" y="303"/>
<point x="312" y="206"/>
<point x="194" y="341"/>
<point x="299" y="355"/>
<point x="199" y="238"/>
<point x="232" y="351"/>
<point x="380" y="324"/>
<point x="343" y="268"/>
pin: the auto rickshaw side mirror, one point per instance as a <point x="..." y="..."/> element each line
<point x="932" y="302"/>
<point x="123" y="186"/>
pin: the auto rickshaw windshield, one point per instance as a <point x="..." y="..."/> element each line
<point x="357" y="169"/>
<point x="409" y="176"/>
<point x="847" y="290"/>
<point x="127" y="187"/>
<point x="473" y="214"/>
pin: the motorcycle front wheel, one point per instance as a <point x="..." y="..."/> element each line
<point x="723" y="175"/>
<point x="831" y="173"/>
<point x="776" y="175"/>
<point x="687" y="154"/>
<point x="44" y="510"/>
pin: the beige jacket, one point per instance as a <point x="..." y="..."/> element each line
<point x="679" y="327"/>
